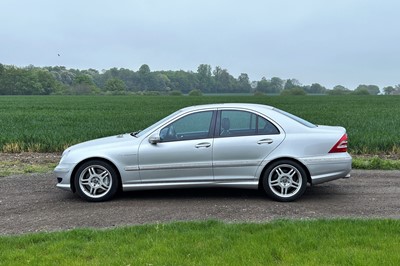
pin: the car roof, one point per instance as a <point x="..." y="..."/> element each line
<point x="228" y="105"/>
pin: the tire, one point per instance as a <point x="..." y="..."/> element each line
<point x="285" y="181"/>
<point x="96" y="181"/>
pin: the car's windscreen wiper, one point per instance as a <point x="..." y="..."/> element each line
<point x="133" y="134"/>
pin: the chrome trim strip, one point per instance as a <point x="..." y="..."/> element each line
<point x="318" y="179"/>
<point x="61" y="170"/>
<point x="131" y="168"/>
<point x="64" y="187"/>
<point x="194" y="165"/>
<point x="324" y="159"/>
<point x="175" y="166"/>
<point x="236" y="163"/>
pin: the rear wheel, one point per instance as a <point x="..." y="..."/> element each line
<point x="96" y="181"/>
<point x="285" y="180"/>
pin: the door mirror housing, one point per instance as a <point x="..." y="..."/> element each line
<point x="154" y="139"/>
<point x="159" y="137"/>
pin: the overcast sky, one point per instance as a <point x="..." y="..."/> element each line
<point x="346" y="42"/>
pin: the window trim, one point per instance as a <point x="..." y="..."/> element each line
<point x="217" y="126"/>
<point x="211" y="128"/>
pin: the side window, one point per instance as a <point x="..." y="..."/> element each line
<point x="192" y="126"/>
<point x="241" y="123"/>
<point x="264" y="127"/>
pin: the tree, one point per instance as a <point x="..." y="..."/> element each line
<point x="180" y="80"/>
<point x="361" y="91"/>
<point x="316" y="89"/>
<point x="129" y="77"/>
<point x="153" y="81"/>
<point x="341" y="88"/>
<point x="195" y="92"/>
<point x="292" y="83"/>
<point x="224" y="82"/>
<point x="243" y="83"/>
<point x="296" y="91"/>
<point x="392" y="91"/>
<point x="83" y="84"/>
<point x="144" y="70"/>
<point x="115" y="85"/>
<point x="216" y="77"/>
<point x="338" y="90"/>
<point x="175" y="93"/>
<point x="263" y="85"/>
<point x="397" y="89"/>
<point x="273" y="86"/>
<point x="276" y="85"/>
<point x="5" y="81"/>
<point x="389" y="90"/>
<point x="48" y="83"/>
<point x="159" y="81"/>
<point x="204" y="77"/>
<point x="60" y="80"/>
<point x="372" y="89"/>
<point x="26" y="81"/>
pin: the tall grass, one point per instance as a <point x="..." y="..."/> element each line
<point x="51" y="123"/>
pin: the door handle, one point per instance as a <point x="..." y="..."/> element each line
<point x="203" y="145"/>
<point x="265" y="141"/>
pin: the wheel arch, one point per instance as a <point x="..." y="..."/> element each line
<point x="260" y="178"/>
<point x="72" y="183"/>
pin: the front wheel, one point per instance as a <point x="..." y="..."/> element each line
<point x="285" y="181"/>
<point x="96" y="181"/>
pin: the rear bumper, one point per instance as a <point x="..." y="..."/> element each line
<point x="329" y="167"/>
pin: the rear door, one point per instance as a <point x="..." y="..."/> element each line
<point x="243" y="139"/>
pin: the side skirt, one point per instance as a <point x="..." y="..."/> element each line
<point x="173" y="185"/>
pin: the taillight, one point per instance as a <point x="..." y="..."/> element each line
<point x="340" y="146"/>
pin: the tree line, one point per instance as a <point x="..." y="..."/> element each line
<point x="33" y="80"/>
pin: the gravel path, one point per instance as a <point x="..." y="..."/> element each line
<point x="32" y="203"/>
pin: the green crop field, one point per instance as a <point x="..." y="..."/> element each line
<point x="51" y="123"/>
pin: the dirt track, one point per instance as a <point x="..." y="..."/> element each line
<point x="31" y="203"/>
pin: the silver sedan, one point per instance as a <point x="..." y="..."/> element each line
<point x="219" y="145"/>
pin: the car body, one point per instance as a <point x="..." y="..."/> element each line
<point x="216" y="145"/>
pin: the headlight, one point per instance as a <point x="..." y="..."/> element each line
<point x="65" y="154"/>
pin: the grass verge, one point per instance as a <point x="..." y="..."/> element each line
<point x="8" y="168"/>
<point x="23" y="163"/>
<point x="316" y="242"/>
<point x="375" y="163"/>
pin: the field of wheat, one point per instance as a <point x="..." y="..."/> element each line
<point x="51" y="123"/>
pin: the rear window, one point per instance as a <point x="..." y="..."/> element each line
<point x="296" y="118"/>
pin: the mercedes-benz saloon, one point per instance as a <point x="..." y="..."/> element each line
<point x="220" y="145"/>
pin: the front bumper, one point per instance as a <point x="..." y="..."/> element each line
<point x="63" y="174"/>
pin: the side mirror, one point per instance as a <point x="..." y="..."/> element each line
<point x="154" y="139"/>
<point x="157" y="138"/>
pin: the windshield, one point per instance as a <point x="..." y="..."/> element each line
<point x="296" y="118"/>
<point x="149" y="129"/>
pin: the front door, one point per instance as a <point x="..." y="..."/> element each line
<point x="184" y="153"/>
